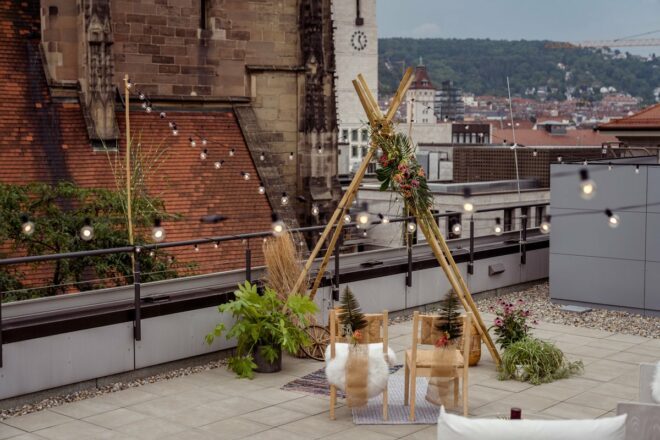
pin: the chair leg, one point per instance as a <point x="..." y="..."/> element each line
<point x="465" y="393"/>
<point x="413" y="393"/>
<point x="385" y="403"/>
<point x="406" y="387"/>
<point x="455" y="391"/>
<point x="333" y="401"/>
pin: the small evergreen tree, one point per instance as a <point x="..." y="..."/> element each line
<point x="450" y="318"/>
<point x="350" y="315"/>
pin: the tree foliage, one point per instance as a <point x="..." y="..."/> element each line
<point x="350" y="315"/>
<point x="480" y="66"/>
<point x="58" y="213"/>
<point x="450" y="317"/>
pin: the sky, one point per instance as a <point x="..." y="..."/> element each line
<point x="557" y="20"/>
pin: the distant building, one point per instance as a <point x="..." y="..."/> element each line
<point x="420" y="98"/>
<point x="449" y="105"/>
<point x="639" y="130"/>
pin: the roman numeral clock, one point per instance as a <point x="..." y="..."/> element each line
<point x="358" y="38"/>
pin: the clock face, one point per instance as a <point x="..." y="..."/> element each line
<point x="359" y="40"/>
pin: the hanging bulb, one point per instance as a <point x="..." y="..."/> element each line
<point x="171" y="124"/>
<point x="204" y="154"/>
<point x="152" y="254"/>
<point x="196" y="248"/>
<point x="218" y="164"/>
<point x="192" y="142"/>
<point x="456" y="228"/>
<point x="315" y="210"/>
<point x="246" y="176"/>
<point x="262" y="189"/>
<point x="158" y="232"/>
<point x="262" y="157"/>
<point x="468" y="206"/>
<point x="27" y="227"/>
<point x="148" y="108"/>
<point x="363" y="218"/>
<point x="544" y="227"/>
<point x="216" y="245"/>
<point x="412" y="227"/>
<point x="144" y="105"/>
<point x="559" y="159"/>
<point x="587" y="186"/>
<point x="141" y="96"/>
<point x="163" y="115"/>
<point x="291" y="156"/>
<point x="498" y="229"/>
<point x="347" y="218"/>
<point x="585" y="163"/>
<point x="609" y="166"/>
<point x="284" y="199"/>
<point x="320" y="149"/>
<point x="204" y="141"/>
<point x="364" y="233"/>
<point x="613" y="220"/>
<point x="535" y="153"/>
<point x="278" y="225"/>
<point x="175" y="130"/>
<point x="129" y="84"/>
<point x="636" y="169"/>
<point x="87" y="231"/>
<point x="384" y="219"/>
<point x="232" y="152"/>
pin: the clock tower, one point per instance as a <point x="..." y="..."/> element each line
<point x="356" y="51"/>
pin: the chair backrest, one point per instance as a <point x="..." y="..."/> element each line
<point x="375" y="332"/>
<point x="646" y="376"/>
<point x="643" y="422"/>
<point x="425" y="332"/>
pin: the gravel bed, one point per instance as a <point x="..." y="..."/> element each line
<point x="54" y="401"/>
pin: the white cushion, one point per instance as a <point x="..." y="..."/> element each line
<point x="655" y="385"/>
<point x="379" y="371"/>
<point x="453" y="427"/>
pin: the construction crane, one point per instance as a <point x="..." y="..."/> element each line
<point x="629" y="41"/>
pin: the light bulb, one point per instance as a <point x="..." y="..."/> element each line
<point x="152" y="254"/>
<point x="347" y="218"/>
<point x="262" y="190"/>
<point x="163" y="115"/>
<point x="636" y="169"/>
<point x="587" y="186"/>
<point x="141" y="96"/>
<point x="217" y="165"/>
<point x="148" y="109"/>
<point x="144" y="105"/>
<point x="456" y="228"/>
<point x="468" y="207"/>
<point x="171" y="124"/>
<point x="27" y="227"/>
<point x="262" y="157"/>
<point x="363" y="218"/>
<point x="613" y="220"/>
<point x="609" y="166"/>
<point x="290" y="156"/>
<point x="129" y="84"/>
<point x="158" y="234"/>
<point x="497" y="229"/>
<point x="559" y="159"/>
<point x="216" y="245"/>
<point x="412" y="227"/>
<point x="278" y="227"/>
<point x="192" y="142"/>
<point x="232" y="152"/>
<point x="284" y="199"/>
<point x="175" y="132"/>
<point x="535" y="153"/>
<point x="544" y="227"/>
<point x="87" y="232"/>
<point x="315" y="210"/>
<point x="246" y="176"/>
<point x="196" y="248"/>
<point x="204" y="141"/>
<point x="320" y="150"/>
<point x="364" y="234"/>
<point x="386" y="220"/>
<point x="203" y="154"/>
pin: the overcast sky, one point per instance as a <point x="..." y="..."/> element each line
<point x="558" y="20"/>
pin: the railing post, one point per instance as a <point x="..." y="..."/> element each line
<point x="410" y="260"/>
<point x="137" y="300"/>
<point x="470" y="266"/>
<point x="523" y="242"/>
<point x="335" y="287"/>
<point x="248" y="262"/>
<point x="1" y="295"/>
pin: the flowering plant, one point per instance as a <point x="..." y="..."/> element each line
<point x="510" y="325"/>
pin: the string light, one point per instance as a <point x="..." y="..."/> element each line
<point x="347" y="218"/>
<point x="141" y="96"/>
<point x="196" y="248"/>
<point x="544" y="227"/>
<point x="468" y="206"/>
<point x="158" y="232"/>
<point x="364" y="234"/>
<point x="232" y="152"/>
<point x="315" y="210"/>
<point x="152" y="254"/>
<point x="216" y="245"/>
<point x="163" y="115"/>
<point x="636" y="169"/>
<point x="587" y="186"/>
<point x="144" y="105"/>
<point x="412" y="227"/>
<point x="559" y="159"/>
<point x="246" y="176"/>
<point x="27" y="227"/>
<point x="204" y="154"/>
<point x="363" y="218"/>
<point x="497" y="229"/>
<point x="320" y="149"/>
<point x="284" y="199"/>
<point x="148" y="107"/>
<point x="175" y="130"/>
<point x="192" y="142"/>
<point x="218" y="164"/>
<point x="384" y="219"/>
<point x="204" y="141"/>
<point x="262" y="157"/>
<point x="535" y="153"/>
<point x="87" y="231"/>
<point x="609" y="166"/>
<point x="129" y="84"/>
<point x="613" y="220"/>
<point x="291" y="156"/>
<point x="585" y="163"/>
<point x="456" y="228"/>
<point x="278" y="225"/>
<point x="262" y="189"/>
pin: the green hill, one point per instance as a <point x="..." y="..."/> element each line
<point x="481" y="67"/>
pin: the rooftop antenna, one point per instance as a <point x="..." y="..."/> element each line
<point x="515" y="144"/>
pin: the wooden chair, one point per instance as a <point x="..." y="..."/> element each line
<point x="420" y="362"/>
<point x="375" y="332"/>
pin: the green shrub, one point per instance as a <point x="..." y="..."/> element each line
<point x="535" y="361"/>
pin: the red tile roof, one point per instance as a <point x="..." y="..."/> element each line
<point x="422" y="80"/>
<point x="47" y="141"/>
<point x="649" y="118"/>
<point x="530" y="137"/>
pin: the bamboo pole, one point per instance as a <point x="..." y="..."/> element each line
<point x="370" y="97"/>
<point x="401" y="91"/>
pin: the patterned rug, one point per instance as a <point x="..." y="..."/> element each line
<point x="317" y="383"/>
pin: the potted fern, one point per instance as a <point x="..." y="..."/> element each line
<point x="265" y="324"/>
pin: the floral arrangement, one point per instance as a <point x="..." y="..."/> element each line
<point x="400" y="172"/>
<point x="511" y="323"/>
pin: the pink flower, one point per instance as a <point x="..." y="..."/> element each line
<point x="499" y="322"/>
<point x="414" y="183"/>
<point x="402" y="168"/>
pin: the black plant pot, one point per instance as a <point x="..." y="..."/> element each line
<point x="263" y="366"/>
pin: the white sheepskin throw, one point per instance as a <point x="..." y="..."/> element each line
<point x="655" y="385"/>
<point x="379" y="370"/>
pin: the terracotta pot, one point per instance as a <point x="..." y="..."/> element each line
<point x="263" y="366"/>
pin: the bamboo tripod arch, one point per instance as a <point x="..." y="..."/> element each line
<point x="382" y="123"/>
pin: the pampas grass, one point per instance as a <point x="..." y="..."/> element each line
<point x="283" y="265"/>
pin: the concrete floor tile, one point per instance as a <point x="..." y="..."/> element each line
<point x="571" y="411"/>
<point x="116" y="418"/>
<point x="429" y="433"/>
<point x="506" y="385"/>
<point x="38" y="420"/>
<point x="633" y="358"/>
<point x="194" y="434"/>
<point x="628" y="338"/>
<point x="128" y="397"/>
<point x="167" y="387"/>
<point x="594" y="400"/>
<point x="317" y="426"/>
<point x="528" y="402"/>
<point x="359" y="432"/>
<point x="235" y="387"/>
<point x="30" y="437"/>
<point x="273" y="396"/>
<point x="574" y="339"/>
<point x="479" y="395"/>
<point x="593" y="352"/>
<point x="235" y="428"/>
<point x="274" y="434"/>
<point x="624" y="392"/>
<point x="589" y="332"/>
<point x="84" y="408"/>
<point x="151" y="428"/>
<point x="7" y="431"/>
<point x="231" y="407"/>
<point x="307" y="405"/>
<point x="274" y="416"/>
<point x="396" y="431"/>
<point x="77" y="430"/>
<point x="552" y="391"/>
<point x="610" y="344"/>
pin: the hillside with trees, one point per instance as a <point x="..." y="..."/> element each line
<point x="480" y="66"/>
